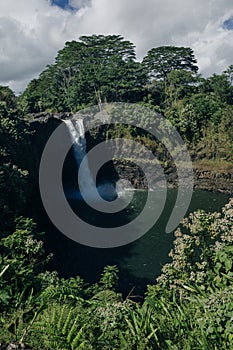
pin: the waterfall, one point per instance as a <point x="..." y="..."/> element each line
<point x="87" y="186"/>
<point x="77" y="134"/>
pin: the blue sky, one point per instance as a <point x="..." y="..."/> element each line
<point x="61" y="3"/>
<point x="228" y="23"/>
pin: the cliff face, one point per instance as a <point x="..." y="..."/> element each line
<point x="203" y="179"/>
<point x="213" y="181"/>
<point x="42" y="127"/>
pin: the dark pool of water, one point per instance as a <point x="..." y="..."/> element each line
<point x="140" y="262"/>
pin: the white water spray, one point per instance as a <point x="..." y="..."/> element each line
<point x="77" y="134"/>
<point x="87" y="185"/>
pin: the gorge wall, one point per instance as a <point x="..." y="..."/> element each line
<point x="203" y="179"/>
<point x="42" y="127"/>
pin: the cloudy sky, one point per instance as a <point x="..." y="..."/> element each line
<point x="32" y="31"/>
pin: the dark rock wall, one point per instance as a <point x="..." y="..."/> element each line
<point x="42" y="127"/>
<point x="213" y="181"/>
<point x="203" y="179"/>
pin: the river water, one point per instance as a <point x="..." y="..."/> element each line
<point x="139" y="262"/>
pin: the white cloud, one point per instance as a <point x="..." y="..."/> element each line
<point x="31" y="31"/>
<point x="79" y="3"/>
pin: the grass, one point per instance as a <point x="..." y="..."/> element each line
<point x="215" y="165"/>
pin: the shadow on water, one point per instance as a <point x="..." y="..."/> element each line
<point x="139" y="262"/>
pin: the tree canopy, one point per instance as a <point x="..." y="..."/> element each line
<point x="190" y="305"/>
<point x="94" y="69"/>
<point x="160" y="61"/>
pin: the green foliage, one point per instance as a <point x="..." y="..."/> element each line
<point x="193" y="301"/>
<point x="141" y="328"/>
<point x="58" y="327"/>
<point x="190" y="306"/>
<point x="7" y="98"/>
<point x="200" y="242"/>
<point x="216" y="142"/>
<point x="195" y="321"/>
<point x="109" y="278"/>
<point x="22" y="259"/>
<point x="229" y="74"/>
<point x="93" y="70"/>
<point x="98" y="69"/>
<point x="220" y="86"/>
<point x="160" y="61"/>
<point x="195" y="115"/>
<point x="13" y="173"/>
<point x="22" y="256"/>
<point x="180" y="84"/>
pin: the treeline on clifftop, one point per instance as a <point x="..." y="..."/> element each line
<point x="98" y="69"/>
<point x="191" y="304"/>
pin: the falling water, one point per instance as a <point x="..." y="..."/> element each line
<point x="77" y="133"/>
<point x="87" y="185"/>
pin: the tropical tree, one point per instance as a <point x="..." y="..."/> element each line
<point x="160" y="61"/>
<point x="13" y="148"/>
<point x="181" y="83"/>
<point x="220" y="86"/>
<point x="92" y="70"/>
<point x="229" y="73"/>
<point x="7" y="97"/>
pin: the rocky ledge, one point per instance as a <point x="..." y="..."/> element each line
<point x="212" y="180"/>
<point x="203" y="179"/>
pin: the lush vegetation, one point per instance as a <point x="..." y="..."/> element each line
<point x="191" y="305"/>
<point x="98" y="69"/>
